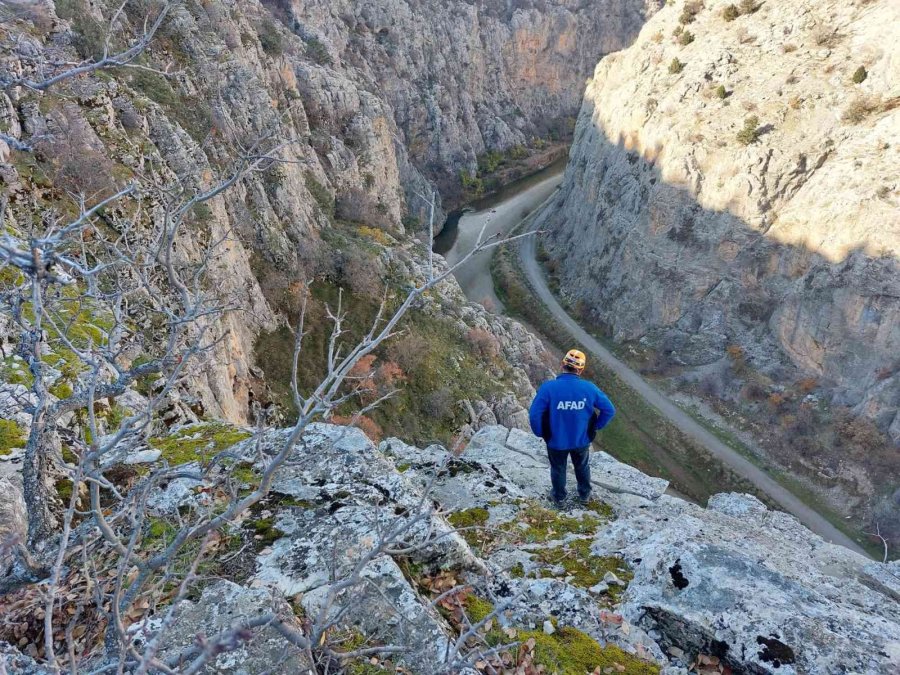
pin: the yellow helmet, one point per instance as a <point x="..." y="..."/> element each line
<point x="575" y="359"/>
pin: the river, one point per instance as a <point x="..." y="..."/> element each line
<point x="501" y="211"/>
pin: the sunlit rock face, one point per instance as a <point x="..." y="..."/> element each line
<point x="783" y="242"/>
<point x="466" y="77"/>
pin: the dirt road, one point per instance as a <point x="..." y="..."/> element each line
<point x="475" y="278"/>
<point x="687" y="424"/>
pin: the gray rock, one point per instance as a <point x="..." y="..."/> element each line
<point x="690" y="255"/>
<point x="147" y="456"/>
<point x="16" y="662"/>
<point x="884" y="578"/>
<point x="222" y="605"/>
<point x="610" y="578"/>
<point x="755" y="588"/>
<point x="389" y="611"/>
<point x="13" y="518"/>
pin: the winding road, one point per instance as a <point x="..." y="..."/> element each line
<point x="476" y="282"/>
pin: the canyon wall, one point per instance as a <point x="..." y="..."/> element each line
<point x="463" y="78"/>
<point x="371" y="102"/>
<point x="733" y="194"/>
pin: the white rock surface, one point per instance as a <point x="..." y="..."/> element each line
<point x="672" y="231"/>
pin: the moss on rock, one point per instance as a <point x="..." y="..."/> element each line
<point x="12" y="435"/>
<point x="477" y="608"/>
<point x="471" y="521"/>
<point x="265" y="530"/>
<point x="568" y="651"/>
<point x="198" y="442"/>
<point x="584" y="568"/>
<point x="543" y="524"/>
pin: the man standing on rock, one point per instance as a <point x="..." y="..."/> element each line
<point x="567" y="412"/>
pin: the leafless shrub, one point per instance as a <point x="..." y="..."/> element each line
<point x="826" y="36"/>
<point x="75" y="158"/>
<point x="439" y="403"/>
<point x="360" y="273"/>
<point x="860" y="108"/>
<point x="110" y="289"/>
<point x="358" y="206"/>
<point x="485" y="344"/>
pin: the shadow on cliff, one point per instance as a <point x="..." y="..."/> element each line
<point x="704" y="287"/>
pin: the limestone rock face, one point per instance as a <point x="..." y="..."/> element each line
<point x="676" y="227"/>
<point x="464" y="78"/>
<point x="221" y="606"/>
<point x="366" y="99"/>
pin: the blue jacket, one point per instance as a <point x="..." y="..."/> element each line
<point x="563" y="412"/>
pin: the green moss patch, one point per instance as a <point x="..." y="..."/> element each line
<point x="584" y="568"/>
<point x="471" y="523"/>
<point x="477" y="609"/>
<point x="265" y="531"/>
<point x="545" y="524"/>
<point x="14" y="370"/>
<point x="12" y="435"/>
<point x="568" y="651"/>
<point x="198" y="442"/>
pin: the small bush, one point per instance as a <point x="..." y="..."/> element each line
<point x="788" y="47"/>
<point x="687" y="37"/>
<point x="318" y="52"/>
<point x="438" y="404"/>
<point x="825" y="37"/>
<point x="807" y="385"/>
<point x="358" y="206"/>
<point x="676" y="66"/>
<point x="859" y="109"/>
<point x="270" y="39"/>
<point x="730" y="13"/>
<point x="860" y="75"/>
<point x="483" y="343"/>
<point x="749" y="6"/>
<point x="517" y="152"/>
<point x="490" y="161"/>
<point x="750" y="132"/>
<point x="690" y="12"/>
<point x="721" y="92"/>
<point x="471" y="183"/>
<point x="320" y="193"/>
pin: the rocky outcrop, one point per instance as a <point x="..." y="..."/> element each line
<point x="733" y="182"/>
<point x="652" y="577"/>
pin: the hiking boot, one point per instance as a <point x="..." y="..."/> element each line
<point x="558" y="503"/>
<point x="584" y="501"/>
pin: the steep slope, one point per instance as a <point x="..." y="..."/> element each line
<point x="636" y="581"/>
<point x="463" y="78"/>
<point x="732" y="202"/>
<point x="346" y="87"/>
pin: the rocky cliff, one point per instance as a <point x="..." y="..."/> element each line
<point x="732" y="202"/>
<point x="465" y="78"/>
<point x="371" y="101"/>
<point x="679" y="227"/>
<point x="636" y="582"/>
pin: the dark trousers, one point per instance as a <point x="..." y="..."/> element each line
<point x="580" y="461"/>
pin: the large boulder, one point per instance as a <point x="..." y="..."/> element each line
<point x="752" y="587"/>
